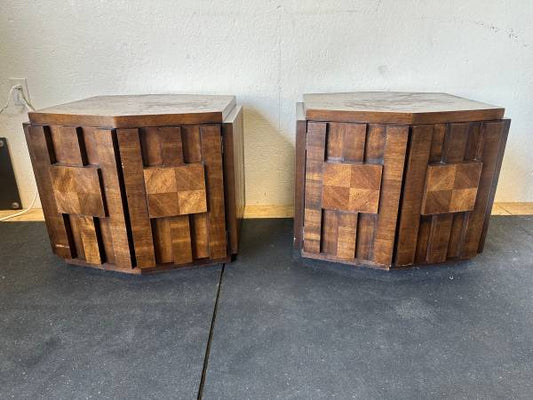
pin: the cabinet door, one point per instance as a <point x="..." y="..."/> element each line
<point x="173" y="178"/>
<point x="77" y="177"/>
<point x="451" y="177"/>
<point x="353" y="179"/>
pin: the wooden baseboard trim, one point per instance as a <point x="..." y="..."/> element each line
<point x="287" y="211"/>
<point x="269" y="211"/>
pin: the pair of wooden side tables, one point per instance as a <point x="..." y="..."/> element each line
<point x="140" y="184"/>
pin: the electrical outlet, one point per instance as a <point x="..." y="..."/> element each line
<point x="17" y="99"/>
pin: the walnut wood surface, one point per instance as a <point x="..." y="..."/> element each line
<point x="396" y="107"/>
<point x="137" y="111"/>
<point x="434" y="182"/>
<point x="142" y="199"/>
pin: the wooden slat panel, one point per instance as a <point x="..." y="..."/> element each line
<point x="423" y="239"/>
<point x="316" y="137"/>
<point x="413" y="187"/>
<point x="439" y="236"/>
<point x="329" y="232"/>
<point x="335" y="141"/>
<point x="74" y="225"/>
<point x="375" y="144"/>
<point x="353" y="147"/>
<point x="374" y="150"/>
<point x="107" y="153"/>
<point x="41" y="153"/>
<point x="181" y="239"/>
<point x="211" y="151"/>
<point x="437" y="143"/>
<point x="424" y="229"/>
<point x="346" y="235"/>
<point x="393" y="162"/>
<point x="151" y="147"/>
<point x="192" y="152"/>
<point x="299" y="180"/>
<point x="171" y="145"/>
<point x="474" y="143"/>
<point x="162" y="240"/>
<point x="494" y="137"/>
<point x="132" y="170"/>
<point x="453" y="151"/>
<point x="457" y="235"/>
<point x="107" y="240"/>
<point x="89" y="240"/>
<point x="69" y="147"/>
<point x="200" y="235"/>
<point x="505" y="125"/>
<point x="365" y="236"/>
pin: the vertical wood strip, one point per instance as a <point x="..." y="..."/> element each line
<point x="316" y="137"/>
<point x="299" y="180"/>
<point x="335" y="141"/>
<point x="374" y="150"/>
<point x="162" y="240"/>
<point x="132" y="170"/>
<point x="89" y="239"/>
<point x="457" y="235"/>
<point x="181" y="239"/>
<point x="171" y="146"/>
<point x="74" y="224"/>
<point x="504" y="132"/>
<point x="393" y="162"/>
<point x="353" y="146"/>
<point x="211" y="151"/>
<point x="439" y="236"/>
<point x="346" y="235"/>
<point x="453" y="151"/>
<point x="424" y="229"/>
<point x="108" y="153"/>
<point x="494" y="137"/>
<point x="421" y="137"/>
<point x="192" y="152"/>
<point x="42" y="155"/>
<point x="329" y="232"/>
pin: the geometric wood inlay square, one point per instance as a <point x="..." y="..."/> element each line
<point x="173" y="191"/>
<point x="351" y="187"/>
<point x="451" y="188"/>
<point x="77" y="190"/>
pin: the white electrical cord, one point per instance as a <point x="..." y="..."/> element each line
<point x="30" y="107"/>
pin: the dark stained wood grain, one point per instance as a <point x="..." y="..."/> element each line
<point x="137" y="111"/>
<point x="299" y="179"/>
<point x="393" y="160"/>
<point x="41" y="153"/>
<point x="315" y="147"/>
<point x="421" y="139"/>
<point x="211" y="151"/>
<point x="162" y="191"/>
<point x="396" y="108"/>
<point x="233" y="140"/>
<point x="107" y="155"/>
<point x="132" y="170"/>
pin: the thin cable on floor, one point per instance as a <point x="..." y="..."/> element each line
<point x="30" y="107"/>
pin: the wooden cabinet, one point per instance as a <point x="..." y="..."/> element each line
<point x="392" y="179"/>
<point x="140" y="183"/>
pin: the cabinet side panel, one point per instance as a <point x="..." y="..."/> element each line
<point x="299" y="178"/>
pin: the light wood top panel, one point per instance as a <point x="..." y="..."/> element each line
<point x="396" y="107"/>
<point x="137" y="111"/>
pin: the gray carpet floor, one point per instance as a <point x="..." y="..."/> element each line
<point x="278" y="328"/>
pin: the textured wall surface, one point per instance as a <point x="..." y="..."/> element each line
<point x="268" y="53"/>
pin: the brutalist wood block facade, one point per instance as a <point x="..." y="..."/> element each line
<point x="140" y="183"/>
<point x="390" y="179"/>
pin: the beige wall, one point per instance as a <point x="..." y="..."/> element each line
<point x="268" y="53"/>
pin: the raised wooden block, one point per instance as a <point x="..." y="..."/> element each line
<point x="390" y="179"/>
<point x="139" y="184"/>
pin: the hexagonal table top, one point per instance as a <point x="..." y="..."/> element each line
<point x="396" y="107"/>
